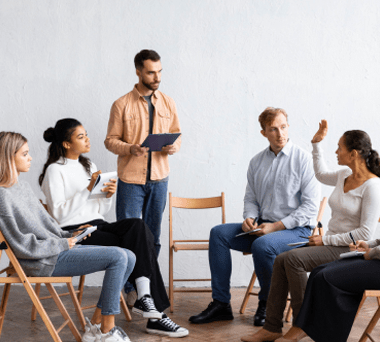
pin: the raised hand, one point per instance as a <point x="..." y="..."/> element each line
<point x="321" y="133"/>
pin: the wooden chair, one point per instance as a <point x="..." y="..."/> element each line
<point x="189" y="245"/>
<point x="16" y="275"/>
<point x="317" y="230"/>
<point x="371" y="325"/>
<point x="79" y="293"/>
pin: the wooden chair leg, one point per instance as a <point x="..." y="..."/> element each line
<point x="370" y="327"/>
<point x="76" y="303"/>
<point x="248" y="293"/>
<point x="81" y="288"/>
<point x="40" y="309"/>
<point x="361" y="304"/>
<point x="171" y="282"/>
<point x="3" y="307"/>
<point x="64" y="313"/>
<point x="124" y="307"/>
<point x="37" y="289"/>
<point x="288" y="316"/>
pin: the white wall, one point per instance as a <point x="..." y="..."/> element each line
<point x="224" y="63"/>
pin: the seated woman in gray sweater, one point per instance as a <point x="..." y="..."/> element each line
<point x="355" y="210"/>
<point x="44" y="249"/>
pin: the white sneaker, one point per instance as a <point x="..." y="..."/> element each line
<point x="116" y="334"/>
<point x="90" y="331"/>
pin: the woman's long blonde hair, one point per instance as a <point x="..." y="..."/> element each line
<point x="10" y="143"/>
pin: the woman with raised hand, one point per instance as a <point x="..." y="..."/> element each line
<point x="334" y="290"/>
<point x="355" y="210"/>
<point x="66" y="180"/>
<point x="44" y="249"/>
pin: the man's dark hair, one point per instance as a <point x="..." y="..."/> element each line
<point x="143" y="55"/>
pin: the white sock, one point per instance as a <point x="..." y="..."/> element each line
<point x="143" y="287"/>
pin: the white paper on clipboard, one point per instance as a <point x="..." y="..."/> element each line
<point x="85" y="232"/>
<point x="96" y="191"/>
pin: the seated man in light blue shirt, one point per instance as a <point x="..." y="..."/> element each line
<point x="281" y="199"/>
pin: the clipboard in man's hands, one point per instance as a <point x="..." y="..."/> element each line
<point x="156" y="142"/>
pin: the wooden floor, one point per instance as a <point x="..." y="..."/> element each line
<point x="19" y="327"/>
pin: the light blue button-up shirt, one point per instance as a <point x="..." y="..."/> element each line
<point x="283" y="187"/>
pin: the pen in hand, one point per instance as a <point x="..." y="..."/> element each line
<point x="352" y="238"/>
<point x="253" y="223"/>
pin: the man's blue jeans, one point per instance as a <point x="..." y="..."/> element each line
<point x="264" y="250"/>
<point x="143" y="201"/>
<point x="85" y="259"/>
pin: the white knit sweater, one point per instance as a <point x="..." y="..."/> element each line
<point x="67" y="197"/>
<point x="356" y="211"/>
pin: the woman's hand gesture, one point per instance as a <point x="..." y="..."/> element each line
<point x="321" y="133"/>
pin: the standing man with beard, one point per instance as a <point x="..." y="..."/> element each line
<point x="143" y="175"/>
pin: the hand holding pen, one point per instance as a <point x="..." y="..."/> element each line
<point x="352" y="238"/>
<point x="353" y="246"/>
<point x="361" y="246"/>
<point x="314" y="240"/>
<point x="249" y="224"/>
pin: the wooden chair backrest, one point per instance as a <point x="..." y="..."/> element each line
<point x="194" y="203"/>
<point x="318" y="230"/>
<point x="14" y="265"/>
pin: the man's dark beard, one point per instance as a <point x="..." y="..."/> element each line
<point x="147" y="85"/>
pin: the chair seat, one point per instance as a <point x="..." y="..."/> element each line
<point x="36" y="280"/>
<point x="190" y="246"/>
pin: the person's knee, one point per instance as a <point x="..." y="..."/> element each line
<point x="125" y="257"/>
<point x="139" y="221"/>
<point x="217" y="234"/>
<point x="279" y="262"/>
<point x="138" y="225"/>
<point x="131" y="259"/>
<point x="293" y="259"/>
<point x="262" y="246"/>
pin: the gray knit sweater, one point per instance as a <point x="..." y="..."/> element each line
<point x="34" y="236"/>
<point x="375" y="251"/>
